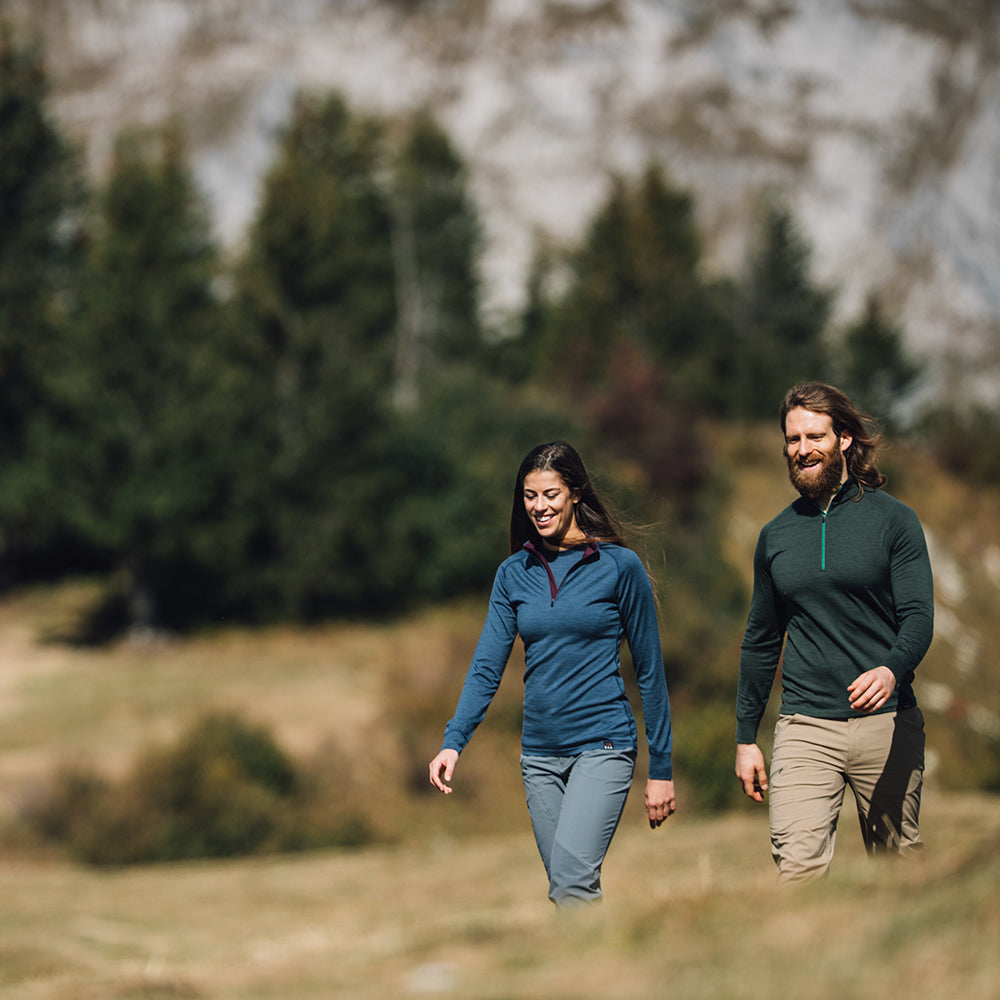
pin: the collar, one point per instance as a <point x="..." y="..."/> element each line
<point x="592" y="548"/>
<point x="849" y="489"/>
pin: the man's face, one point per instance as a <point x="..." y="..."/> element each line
<point x="815" y="454"/>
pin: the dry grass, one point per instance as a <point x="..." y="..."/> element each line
<point x="691" y="909"/>
<point x="456" y="908"/>
<point x="57" y="701"/>
<point x="374" y="695"/>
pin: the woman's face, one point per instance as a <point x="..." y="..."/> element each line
<point x="552" y="509"/>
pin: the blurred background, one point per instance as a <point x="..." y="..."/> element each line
<point x="287" y="289"/>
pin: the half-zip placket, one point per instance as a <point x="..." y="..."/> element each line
<point x="822" y="549"/>
<point x="553" y="586"/>
<point x="823" y="514"/>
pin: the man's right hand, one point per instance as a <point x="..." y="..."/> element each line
<point x="750" y="770"/>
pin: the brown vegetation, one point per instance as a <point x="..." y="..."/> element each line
<point x="449" y="898"/>
<point x="691" y="909"/>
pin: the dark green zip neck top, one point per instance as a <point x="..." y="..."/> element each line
<point x="844" y="591"/>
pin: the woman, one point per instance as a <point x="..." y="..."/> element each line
<point x="572" y="590"/>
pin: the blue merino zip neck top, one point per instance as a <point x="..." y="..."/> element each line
<point x="572" y="610"/>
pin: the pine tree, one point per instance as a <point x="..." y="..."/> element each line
<point x="40" y="198"/>
<point x="782" y="316"/>
<point x="877" y="372"/>
<point x="369" y="411"/>
<point x="435" y="240"/>
<point x="315" y="340"/>
<point x="130" y="437"/>
<point x="638" y="338"/>
<point x="595" y="312"/>
<point x="635" y="284"/>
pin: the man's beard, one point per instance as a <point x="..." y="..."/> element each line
<point x="815" y="484"/>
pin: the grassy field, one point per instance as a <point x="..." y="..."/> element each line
<point x="448" y="909"/>
<point x="691" y="911"/>
<point x="449" y="900"/>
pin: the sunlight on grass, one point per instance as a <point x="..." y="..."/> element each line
<point x="694" y="904"/>
<point x="455" y="905"/>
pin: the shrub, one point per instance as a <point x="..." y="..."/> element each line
<point x="57" y="813"/>
<point x="704" y="755"/>
<point x="225" y="789"/>
<point x="966" y="440"/>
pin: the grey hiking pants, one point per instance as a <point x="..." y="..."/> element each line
<point x="575" y="804"/>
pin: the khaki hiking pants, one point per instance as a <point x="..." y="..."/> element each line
<point x="880" y="756"/>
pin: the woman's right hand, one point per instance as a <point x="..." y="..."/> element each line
<point x="442" y="767"/>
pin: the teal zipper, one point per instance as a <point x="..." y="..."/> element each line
<point x="822" y="558"/>
<point x="829" y="507"/>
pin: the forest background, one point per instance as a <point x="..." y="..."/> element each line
<point x="322" y="427"/>
<point x="320" y="433"/>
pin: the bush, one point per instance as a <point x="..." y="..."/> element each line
<point x="966" y="440"/>
<point x="705" y="750"/>
<point x="226" y="789"/>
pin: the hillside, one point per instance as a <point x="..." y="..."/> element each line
<point x="878" y="120"/>
<point x="374" y="696"/>
<point x="336" y="682"/>
<point x="451" y="901"/>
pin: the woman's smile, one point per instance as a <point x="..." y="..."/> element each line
<point x="552" y="509"/>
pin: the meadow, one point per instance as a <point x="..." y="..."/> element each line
<point x="691" y="911"/>
<point x="450" y="901"/>
<point x="448" y="896"/>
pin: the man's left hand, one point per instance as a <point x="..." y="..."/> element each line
<point x="872" y="689"/>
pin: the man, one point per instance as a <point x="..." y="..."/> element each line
<point x="841" y="579"/>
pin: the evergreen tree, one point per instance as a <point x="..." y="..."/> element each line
<point x="40" y="199"/>
<point x="635" y="283"/>
<point x="131" y="434"/>
<point x="638" y="339"/>
<point x="435" y="241"/>
<point x="315" y="338"/>
<point x="877" y="371"/>
<point x="515" y="356"/>
<point x="345" y="512"/>
<point x="596" y="312"/>
<point x="782" y="317"/>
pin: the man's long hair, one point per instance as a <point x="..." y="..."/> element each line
<point x="592" y="515"/>
<point x="862" y="453"/>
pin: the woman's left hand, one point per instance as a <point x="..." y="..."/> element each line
<point x="660" y="801"/>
